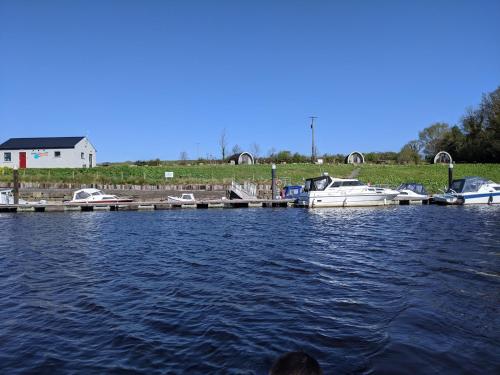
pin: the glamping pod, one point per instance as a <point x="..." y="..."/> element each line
<point x="443" y="157"/>
<point x="355" y="157"/>
<point x="242" y="158"/>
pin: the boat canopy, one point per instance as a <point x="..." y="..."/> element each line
<point x="416" y="188"/>
<point x="317" y="184"/>
<point x="292" y="191"/>
<point x="86" y="193"/>
<point x="468" y="184"/>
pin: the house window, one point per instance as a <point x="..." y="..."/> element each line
<point x="7" y="156"/>
<point x="57" y="154"/>
<point x="82" y="155"/>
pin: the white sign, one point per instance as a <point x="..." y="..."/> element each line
<point x="169" y="174"/>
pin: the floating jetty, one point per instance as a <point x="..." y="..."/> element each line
<point x="163" y="205"/>
<point x="136" y="206"/>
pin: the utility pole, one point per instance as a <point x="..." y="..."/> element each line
<point x="313" y="148"/>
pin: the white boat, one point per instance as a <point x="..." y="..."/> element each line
<point x="7" y="197"/>
<point x="326" y="191"/>
<point x="411" y="191"/>
<point x="184" y="198"/>
<point x="470" y="190"/>
<point x="96" y="196"/>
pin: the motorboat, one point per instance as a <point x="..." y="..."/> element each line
<point x="411" y="191"/>
<point x="7" y="197"/>
<point x="470" y="190"/>
<point x="291" y="191"/>
<point x="185" y="198"/>
<point x="326" y="191"/>
<point x="96" y="196"/>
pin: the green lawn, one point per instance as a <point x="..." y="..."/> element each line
<point x="433" y="177"/>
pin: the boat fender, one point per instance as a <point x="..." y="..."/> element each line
<point x="490" y="199"/>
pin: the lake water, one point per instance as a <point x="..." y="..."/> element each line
<point x="410" y="289"/>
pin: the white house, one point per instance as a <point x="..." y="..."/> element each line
<point x="51" y="152"/>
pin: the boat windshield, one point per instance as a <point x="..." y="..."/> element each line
<point x="82" y="195"/>
<point x="416" y="188"/>
<point x="347" y="183"/>
<point x="97" y="193"/>
<point x="317" y="184"/>
<point x="467" y="185"/>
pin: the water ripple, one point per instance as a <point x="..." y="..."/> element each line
<point x="380" y="290"/>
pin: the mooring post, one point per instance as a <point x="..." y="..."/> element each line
<point x="273" y="181"/>
<point x="15" y="176"/>
<point x="450" y="174"/>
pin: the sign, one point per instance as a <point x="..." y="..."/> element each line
<point x="38" y="154"/>
<point x="169" y="174"/>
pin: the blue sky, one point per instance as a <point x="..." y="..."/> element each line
<point x="147" y="79"/>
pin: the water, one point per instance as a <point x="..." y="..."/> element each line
<point x="411" y="289"/>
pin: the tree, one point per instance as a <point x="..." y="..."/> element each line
<point x="255" y="149"/>
<point x="475" y="139"/>
<point x="409" y="153"/>
<point x="271" y="153"/>
<point x="223" y="143"/>
<point x="237" y="149"/>
<point x="430" y="137"/>
<point x="284" y="156"/>
<point x="481" y="128"/>
<point x="453" y="143"/>
<point x="183" y="156"/>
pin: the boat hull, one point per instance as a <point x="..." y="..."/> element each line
<point x="485" y="198"/>
<point x="361" y="200"/>
<point x="466" y="199"/>
<point x="104" y="201"/>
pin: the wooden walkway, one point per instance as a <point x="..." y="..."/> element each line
<point x="135" y="206"/>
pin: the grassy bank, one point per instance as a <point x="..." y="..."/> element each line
<point x="433" y="177"/>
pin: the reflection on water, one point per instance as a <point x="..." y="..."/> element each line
<point x="411" y="289"/>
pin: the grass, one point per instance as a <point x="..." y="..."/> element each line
<point x="434" y="177"/>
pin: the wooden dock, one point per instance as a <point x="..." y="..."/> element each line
<point x="136" y="206"/>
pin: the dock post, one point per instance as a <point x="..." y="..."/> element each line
<point x="450" y="174"/>
<point x="273" y="181"/>
<point x="15" y="177"/>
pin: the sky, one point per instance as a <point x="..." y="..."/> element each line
<point x="150" y="79"/>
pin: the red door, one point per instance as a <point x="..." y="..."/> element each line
<point x="22" y="160"/>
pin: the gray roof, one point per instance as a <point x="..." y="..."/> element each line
<point x="40" y="143"/>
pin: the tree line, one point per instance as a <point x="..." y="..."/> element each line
<point x="475" y="139"/>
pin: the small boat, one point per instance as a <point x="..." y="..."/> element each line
<point x="326" y="191"/>
<point x="184" y="198"/>
<point x="411" y="191"/>
<point x="291" y="191"/>
<point x="470" y="190"/>
<point x="7" y="197"/>
<point x="96" y="196"/>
